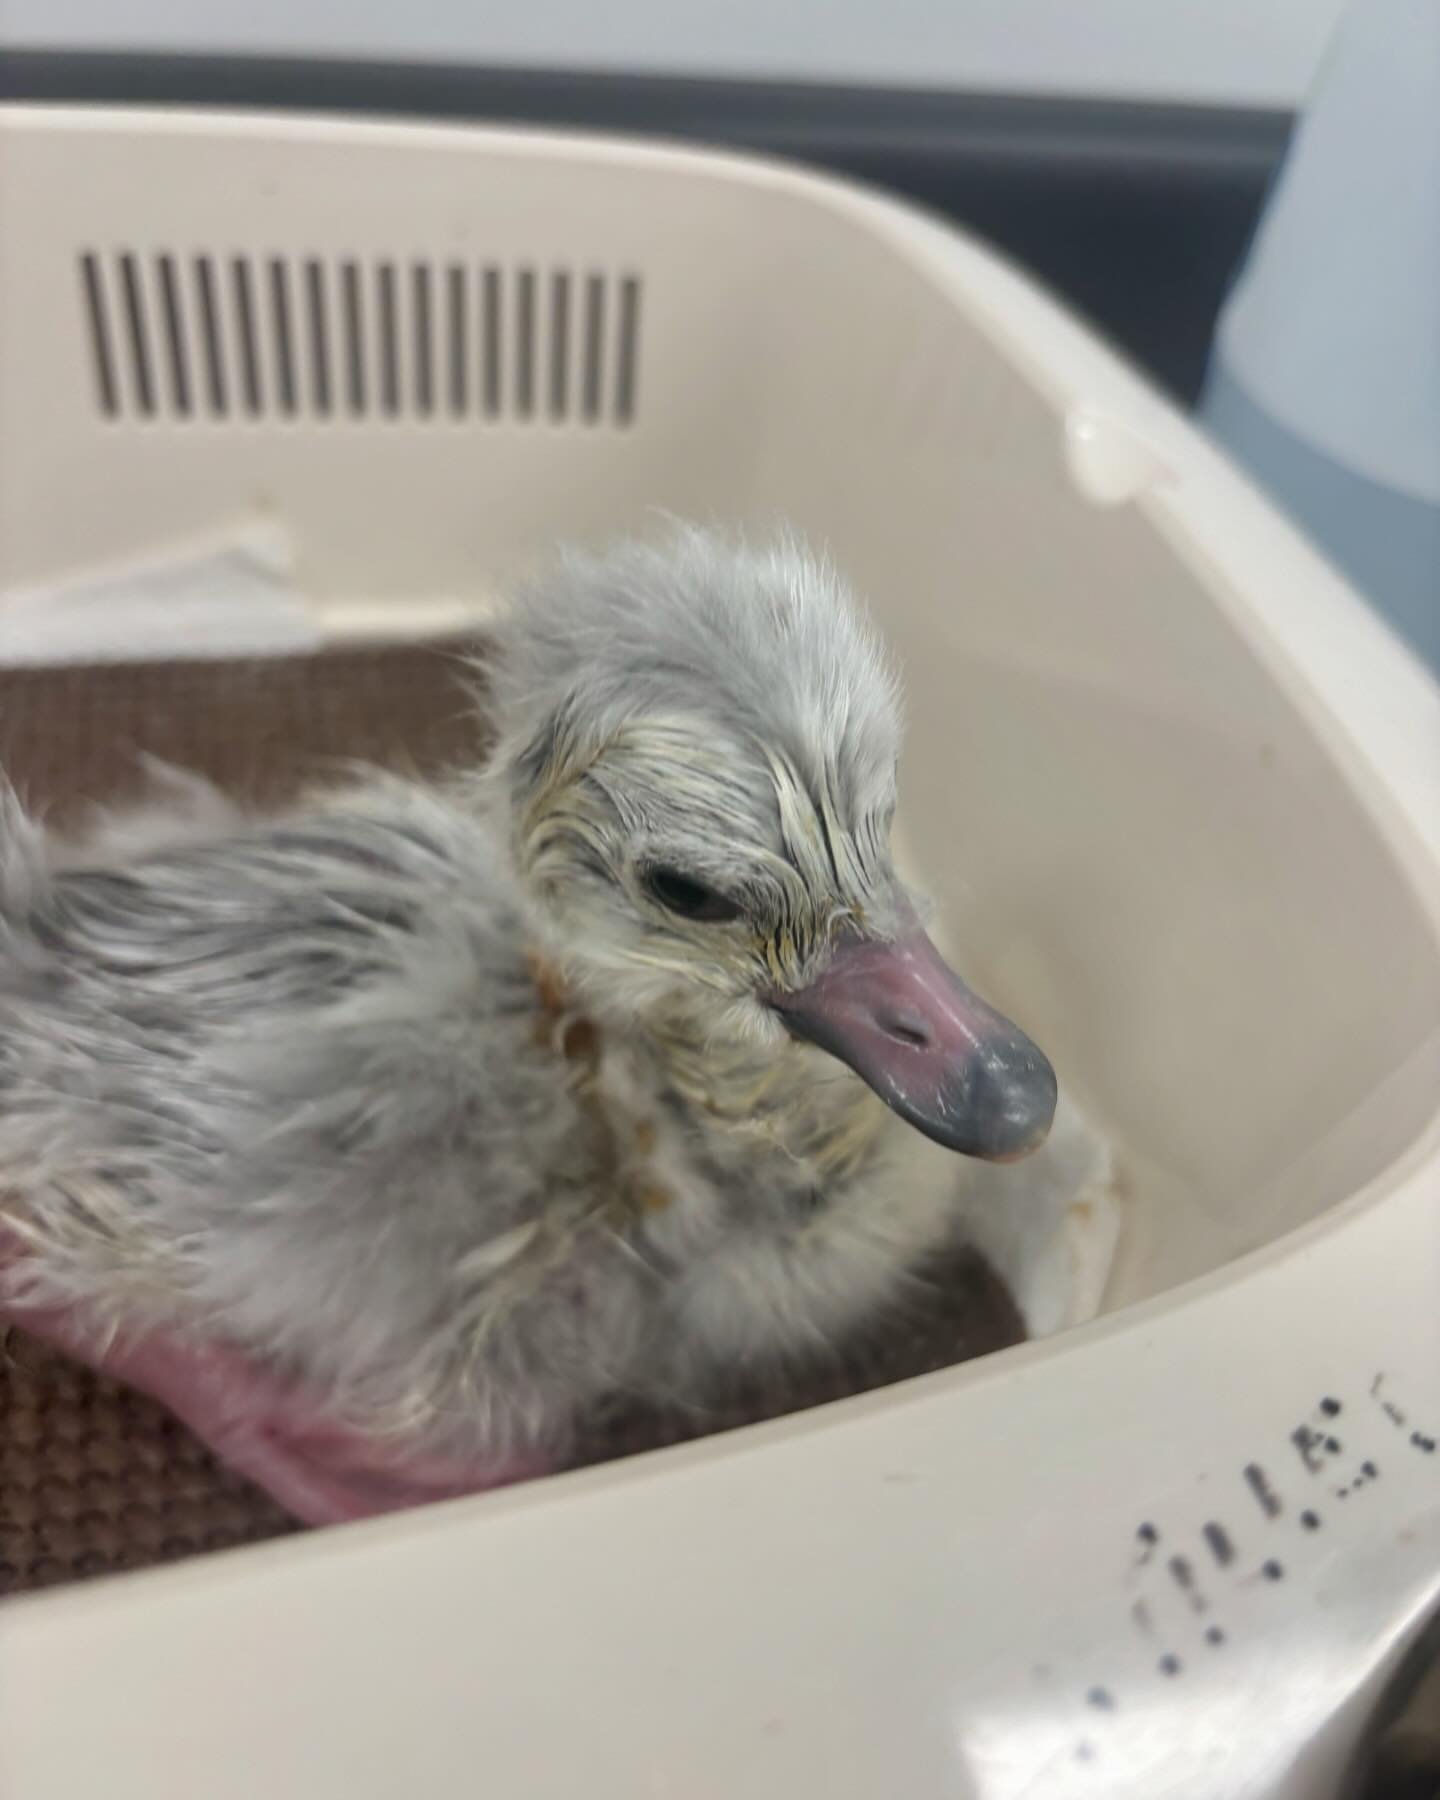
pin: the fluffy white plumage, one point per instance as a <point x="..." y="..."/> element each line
<point x="425" y="1098"/>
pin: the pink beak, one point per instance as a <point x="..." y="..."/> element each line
<point x="945" y="1061"/>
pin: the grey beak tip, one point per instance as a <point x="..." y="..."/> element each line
<point x="1022" y="1109"/>
<point x="1000" y="1107"/>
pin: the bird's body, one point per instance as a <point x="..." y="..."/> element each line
<point x="432" y="1114"/>
<point x="313" y="1081"/>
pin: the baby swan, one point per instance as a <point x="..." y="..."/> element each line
<point x="382" y="1138"/>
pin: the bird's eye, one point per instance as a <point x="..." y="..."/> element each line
<point x="680" y="893"/>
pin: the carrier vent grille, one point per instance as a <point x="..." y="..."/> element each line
<point x="200" y="336"/>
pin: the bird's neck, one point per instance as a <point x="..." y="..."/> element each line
<point x="792" y="1099"/>
<point x="741" y="1099"/>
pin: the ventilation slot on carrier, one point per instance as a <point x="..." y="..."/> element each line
<point x="184" y="337"/>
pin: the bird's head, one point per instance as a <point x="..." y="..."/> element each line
<point x="697" y="761"/>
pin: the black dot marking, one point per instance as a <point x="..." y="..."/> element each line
<point x="1217" y="1539"/>
<point x="1259" y="1484"/>
<point x="1334" y="1446"/>
<point x="1422" y="1442"/>
<point x="1342" y="1493"/>
<point x="1215" y="1636"/>
<point x="1307" y="1443"/>
<point x="1169" y="1665"/>
<point x="1392" y="1412"/>
<point x="1330" y="1407"/>
<point x="1310" y="1520"/>
<point x="1369" y="1471"/>
<point x="1183" y="1574"/>
<point x="1147" y="1534"/>
<point x="1101" y="1698"/>
<point x="1272" y="1570"/>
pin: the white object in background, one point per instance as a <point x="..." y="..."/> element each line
<point x="230" y="593"/>
<point x="233" y="594"/>
<point x="1326" y="376"/>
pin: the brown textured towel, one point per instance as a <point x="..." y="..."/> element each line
<point x="93" y="1478"/>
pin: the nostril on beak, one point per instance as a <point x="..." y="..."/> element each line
<point x="908" y="1028"/>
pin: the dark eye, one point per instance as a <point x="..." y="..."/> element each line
<point x="691" y="899"/>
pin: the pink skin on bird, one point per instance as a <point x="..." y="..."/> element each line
<point x="321" y="1472"/>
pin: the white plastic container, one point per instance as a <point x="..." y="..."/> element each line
<point x="1177" y="794"/>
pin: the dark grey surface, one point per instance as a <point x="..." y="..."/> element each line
<point x="1137" y="214"/>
